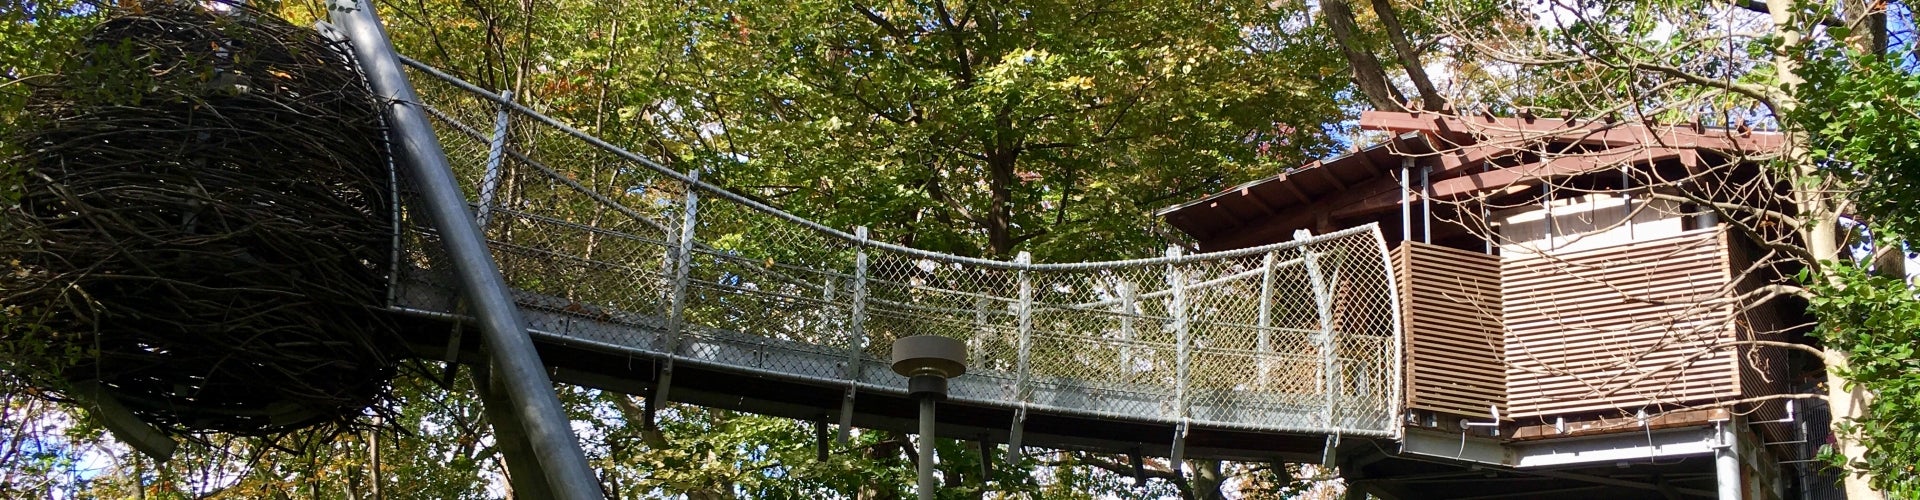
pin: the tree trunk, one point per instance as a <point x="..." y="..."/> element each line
<point x="1430" y="99"/>
<point x="1207" y="480"/>
<point x="1000" y="163"/>
<point x="1869" y="22"/>
<point x="1367" y="73"/>
<point x="1822" y="235"/>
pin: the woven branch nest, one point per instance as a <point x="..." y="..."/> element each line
<point x="203" y="225"/>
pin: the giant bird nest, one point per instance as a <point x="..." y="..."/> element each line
<point x="198" y="218"/>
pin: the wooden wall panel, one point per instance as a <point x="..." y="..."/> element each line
<point x="1619" y="327"/>
<point x="1451" y="310"/>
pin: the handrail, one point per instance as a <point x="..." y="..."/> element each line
<point x="1222" y="339"/>
<point x="842" y="235"/>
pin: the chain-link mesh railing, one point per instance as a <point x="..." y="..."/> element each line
<point x="1297" y="337"/>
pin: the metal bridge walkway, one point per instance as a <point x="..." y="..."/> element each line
<point x="630" y="273"/>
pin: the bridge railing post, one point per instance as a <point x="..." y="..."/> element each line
<point x="1183" y="375"/>
<point x="1396" y="349"/>
<point x="496" y="151"/>
<point x="856" y="331"/>
<point x="1023" y="367"/>
<point x="1128" y="309"/>
<point x="1323" y="307"/>
<point x="681" y="251"/>
<point x="1263" y="323"/>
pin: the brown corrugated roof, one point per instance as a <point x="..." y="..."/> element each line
<point x="1465" y="154"/>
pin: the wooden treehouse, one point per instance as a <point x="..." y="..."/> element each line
<point x="1574" y="295"/>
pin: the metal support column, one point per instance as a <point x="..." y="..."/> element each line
<point x="523" y="471"/>
<point x="514" y="359"/>
<point x="924" y="464"/>
<point x="1726" y="459"/>
<point x="1406" y="200"/>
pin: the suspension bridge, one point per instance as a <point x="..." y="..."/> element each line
<point x="634" y="277"/>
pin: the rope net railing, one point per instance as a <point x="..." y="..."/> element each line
<point x="1294" y="337"/>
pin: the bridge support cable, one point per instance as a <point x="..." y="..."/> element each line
<point x="682" y="255"/>
<point x="856" y="332"/>
<point x="515" y="362"/>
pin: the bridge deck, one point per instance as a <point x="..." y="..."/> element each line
<point x="594" y="352"/>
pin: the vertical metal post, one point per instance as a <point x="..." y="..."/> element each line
<point x="1024" y="369"/>
<point x="927" y="442"/>
<point x="513" y="356"/>
<point x="1177" y="283"/>
<point x="1177" y="456"/>
<point x="1024" y="310"/>
<point x="677" y="302"/>
<point x="1128" y="309"/>
<point x="1323" y="306"/>
<point x="496" y="151"/>
<point x="856" y="332"/>
<point x="1406" y="200"/>
<point x="1726" y="460"/>
<point x="1013" y="436"/>
<point x="1262" y="341"/>
<point x="976" y="344"/>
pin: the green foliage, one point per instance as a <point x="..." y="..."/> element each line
<point x="1862" y="113"/>
<point x="975" y="129"/>
<point x="29" y="31"/>
<point x="978" y="130"/>
<point x="1875" y="322"/>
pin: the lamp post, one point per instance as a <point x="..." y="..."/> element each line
<point x="928" y="361"/>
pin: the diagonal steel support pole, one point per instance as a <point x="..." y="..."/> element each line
<point x="515" y="363"/>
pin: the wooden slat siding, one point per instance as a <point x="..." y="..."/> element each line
<point x="1451" y="311"/>
<point x="1583" y="328"/>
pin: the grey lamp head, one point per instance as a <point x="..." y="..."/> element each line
<point x="929" y="355"/>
